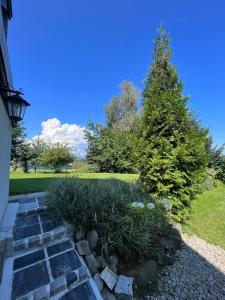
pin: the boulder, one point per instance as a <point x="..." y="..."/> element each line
<point x="175" y="235"/>
<point x="98" y="281"/>
<point x="103" y="263"/>
<point x="165" y="258"/>
<point x="91" y="263"/>
<point x="78" y="235"/>
<point x="123" y="289"/>
<point x="107" y="295"/>
<point x="168" y="245"/>
<point x="109" y="277"/>
<point x="144" y="272"/>
<point x="92" y="238"/>
<point x="83" y="248"/>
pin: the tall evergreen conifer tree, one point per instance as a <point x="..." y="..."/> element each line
<point x="173" y="156"/>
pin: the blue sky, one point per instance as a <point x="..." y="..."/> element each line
<point x="70" y="56"/>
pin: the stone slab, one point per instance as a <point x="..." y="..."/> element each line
<point x="109" y="277"/>
<point x="52" y="224"/>
<point x="27" y="200"/>
<point x="59" y="247"/>
<point x="64" y="263"/>
<point x="26" y="221"/>
<point x="81" y="292"/>
<point x="123" y="289"/>
<point x="28" y="259"/>
<point x="29" y="279"/>
<point x="27" y="231"/>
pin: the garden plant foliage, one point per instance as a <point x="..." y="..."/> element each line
<point x="105" y="205"/>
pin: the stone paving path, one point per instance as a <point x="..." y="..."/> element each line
<point x="44" y="263"/>
<point x="198" y="273"/>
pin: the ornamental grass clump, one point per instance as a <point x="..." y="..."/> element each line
<point x="106" y="205"/>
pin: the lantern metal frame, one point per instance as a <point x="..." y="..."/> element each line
<point x="15" y="104"/>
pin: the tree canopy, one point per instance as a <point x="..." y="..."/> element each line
<point x="173" y="146"/>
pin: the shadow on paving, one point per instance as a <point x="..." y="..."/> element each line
<point x="190" y="277"/>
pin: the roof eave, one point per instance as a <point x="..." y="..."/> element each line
<point x="10" y="13"/>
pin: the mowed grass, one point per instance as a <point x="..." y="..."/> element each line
<point x="21" y="183"/>
<point x="208" y="216"/>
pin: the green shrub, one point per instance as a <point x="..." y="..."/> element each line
<point x="172" y="148"/>
<point x="221" y="171"/>
<point x="105" y="205"/>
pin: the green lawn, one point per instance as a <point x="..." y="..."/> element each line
<point x="21" y="183"/>
<point x="208" y="216"/>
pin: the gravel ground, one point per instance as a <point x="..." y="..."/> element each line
<point x="198" y="273"/>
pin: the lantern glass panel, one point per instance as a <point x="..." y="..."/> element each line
<point x="16" y="110"/>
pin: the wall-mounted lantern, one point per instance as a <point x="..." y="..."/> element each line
<point x="15" y="105"/>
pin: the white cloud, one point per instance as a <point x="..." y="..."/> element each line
<point x="70" y="134"/>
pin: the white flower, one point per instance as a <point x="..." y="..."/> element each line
<point x="150" y="205"/>
<point x="166" y="202"/>
<point x="137" y="205"/>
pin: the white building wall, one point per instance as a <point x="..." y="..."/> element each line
<point x="5" y="127"/>
<point x="5" y="146"/>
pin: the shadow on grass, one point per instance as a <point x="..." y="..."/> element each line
<point x="40" y="184"/>
<point x="29" y="185"/>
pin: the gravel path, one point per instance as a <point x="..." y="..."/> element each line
<point x="198" y="273"/>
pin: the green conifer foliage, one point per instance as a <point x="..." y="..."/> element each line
<point x="172" y="155"/>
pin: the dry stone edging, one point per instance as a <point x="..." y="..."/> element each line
<point x="110" y="285"/>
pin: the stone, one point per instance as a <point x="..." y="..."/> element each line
<point x="26" y="221"/>
<point x="92" y="238"/>
<point x="64" y="263"/>
<point x="102" y="261"/>
<point x="113" y="267"/>
<point x="69" y="229"/>
<point x="165" y="258"/>
<point x="98" y="281"/>
<point x="26" y="231"/>
<point x="28" y="259"/>
<point x="143" y="272"/>
<point x="113" y="259"/>
<point x="107" y="295"/>
<point x="41" y="294"/>
<point x="83" y="291"/>
<point x="29" y="279"/>
<point x="83" y="248"/>
<point x="19" y="245"/>
<point x="123" y="289"/>
<point x="109" y="277"/>
<point x="91" y="263"/>
<point x="98" y="261"/>
<point x="59" y="232"/>
<point x="33" y="241"/>
<point x="46" y="237"/>
<point x="78" y="236"/>
<point x="59" y="247"/>
<point x="71" y="278"/>
<point x="175" y="235"/>
<point x="168" y="245"/>
<point x="2" y="245"/>
<point x="83" y="273"/>
<point x="58" y="285"/>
